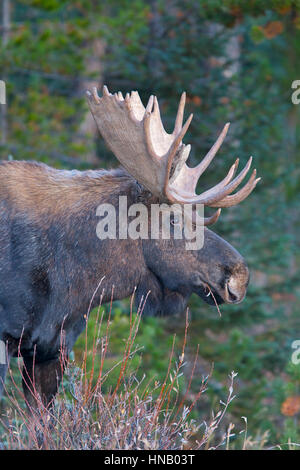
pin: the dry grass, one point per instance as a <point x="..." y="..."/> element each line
<point x="134" y="414"/>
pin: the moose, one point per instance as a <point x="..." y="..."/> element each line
<point x="51" y="260"/>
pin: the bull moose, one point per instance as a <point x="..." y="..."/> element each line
<point x="51" y="259"/>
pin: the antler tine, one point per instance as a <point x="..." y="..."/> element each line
<point x="180" y="113"/>
<point x="156" y="110"/>
<point x="201" y="167"/>
<point x="149" y="106"/>
<point x="213" y="195"/>
<point x="95" y="95"/>
<point x="238" y="197"/>
<point x="207" y="220"/>
<point x="229" y="175"/>
<point x="174" y="147"/>
<point x="105" y="91"/>
<point x="188" y="177"/>
<point x="212" y="219"/>
<point x="147" y="132"/>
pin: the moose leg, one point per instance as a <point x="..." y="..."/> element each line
<point x="41" y="381"/>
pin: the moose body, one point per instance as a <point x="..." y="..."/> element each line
<point x="51" y="262"/>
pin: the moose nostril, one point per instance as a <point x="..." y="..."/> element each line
<point x="232" y="294"/>
<point x="235" y="290"/>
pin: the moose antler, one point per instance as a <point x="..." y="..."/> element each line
<point x="157" y="159"/>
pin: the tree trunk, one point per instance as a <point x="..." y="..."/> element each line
<point x="93" y="65"/>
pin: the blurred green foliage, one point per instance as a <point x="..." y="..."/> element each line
<point x="237" y="61"/>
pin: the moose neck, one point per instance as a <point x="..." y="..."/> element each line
<point x="113" y="267"/>
<point x="59" y="207"/>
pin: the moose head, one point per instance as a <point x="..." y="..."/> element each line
<point x="157" y="161"/>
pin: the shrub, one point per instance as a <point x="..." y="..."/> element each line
<point x="133" y="414"/>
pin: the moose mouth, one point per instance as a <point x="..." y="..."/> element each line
<point x="209" y="295"/>
<point x="213" y="297"/>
